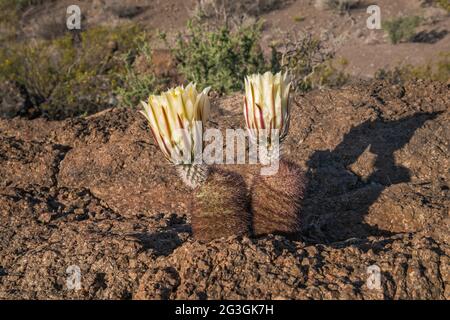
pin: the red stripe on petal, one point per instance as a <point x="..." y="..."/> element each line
<point x="180" y="122"/>
<point x="166" y="119"/>
<point x="153" y="134"/>
<point x="273" y="105"/>
<point x="246" y="112"/>
<point x="282" y="119"/>
<point x="261" y="118"/>
<point x="165" y="146"/>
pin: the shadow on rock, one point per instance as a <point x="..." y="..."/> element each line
<point x="162" y="242"/>
<point x="346" y="181"/>
<point x="166" y="239"/>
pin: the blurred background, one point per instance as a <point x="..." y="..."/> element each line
<point x="128" y="49"/>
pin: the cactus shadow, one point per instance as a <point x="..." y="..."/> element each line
<point x="337" y="196"/>
<point x="164" y="241"/>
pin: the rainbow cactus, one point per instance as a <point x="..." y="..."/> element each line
<point x="275" y="199"/>
<point x="176" y="119"/>
<point x="219" y="205"/>
<point x="266" y="106"/>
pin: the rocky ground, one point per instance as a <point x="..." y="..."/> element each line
<point x="96" y="193"/>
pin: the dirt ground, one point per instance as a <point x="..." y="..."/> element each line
<point x="96" y="193"/>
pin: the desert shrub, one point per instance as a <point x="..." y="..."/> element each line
<point x="330" y="74"/>
<point x="444" y="4"/>
<point x="438" y="71"/>
<point x="9" y="21"/>
<point x="221" y="58"/>
<point x="340" y="5"/>
<point x="224" y="10"/>
<point x="401" y="28"/>
<point x="12" y="27"/>
<point x="21" y="4"/>
<point x="218" y="57"/>
<point x="137" y="86"/>
<point x="309" y="63"/>
<point x="69" y="76"/>
<point x="299" y="18"/>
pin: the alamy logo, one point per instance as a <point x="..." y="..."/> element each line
<point x="73" y="21"/>
<point x="73" y="280"/>
<point x="374" y="277"/>
<point x="208" y="147"/>
<point x="374" y="20"/>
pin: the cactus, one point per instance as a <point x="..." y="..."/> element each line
<point x="193" y="175"/>
<point x="220" y="206"/>
<point x="276" y="200"/>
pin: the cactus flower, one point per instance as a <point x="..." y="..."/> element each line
<point x="266" y="105"/>
<point x="176" y="118"/>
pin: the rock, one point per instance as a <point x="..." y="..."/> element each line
<point x="45" y="217"/>
<point x="96" y="195"/>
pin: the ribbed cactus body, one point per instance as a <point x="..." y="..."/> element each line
<point x="193" y="175"/>
<point x="276" y="200"/>
<point x="220" y="206"/>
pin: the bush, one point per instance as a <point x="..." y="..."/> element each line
<point x="309" y="63"/>
<point x="340" y="5"/>
<point x="12" y="26"/>
<point x="9" y="21"/>
<point x="402" y="28"/>
<point x="444" y="4"/>
<point x="224" y="10"/>
<point x="219" y="57"/>
<point x="21" y="4"/>
<point x="137" y="86"/>
<point x="72" y="75"/>
<point x="438" y="71"/>
<point x="330" y="74"/>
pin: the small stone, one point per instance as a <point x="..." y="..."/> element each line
<point x="45" y="217"/>
<point x="79" y="211"/>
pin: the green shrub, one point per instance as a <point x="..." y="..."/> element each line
<point x="402" y="28"/>
<point x="218" y="57"/>
<point x="437" y="71"/>
<point x="444" y="4"/>
<point x="309" y="63"/>
<point x="65" y="77"/>
<point x="328" y="74"/>
<point x="134" y="86"/>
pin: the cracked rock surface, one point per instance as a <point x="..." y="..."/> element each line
<point x="96" y="194"/>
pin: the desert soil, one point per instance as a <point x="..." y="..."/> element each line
<point x="97" y="193"/>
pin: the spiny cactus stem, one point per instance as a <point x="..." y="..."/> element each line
<point x="193" y="175"/>
<point x="271" y="155"/>
<point x="276" y="200"/>
<point x="220" y="206"/>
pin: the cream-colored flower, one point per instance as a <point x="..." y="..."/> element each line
<point x="176" y="118"/>
<point x="266" y="105"/>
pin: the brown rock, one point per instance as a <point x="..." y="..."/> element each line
<point x="377" y="194"/>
